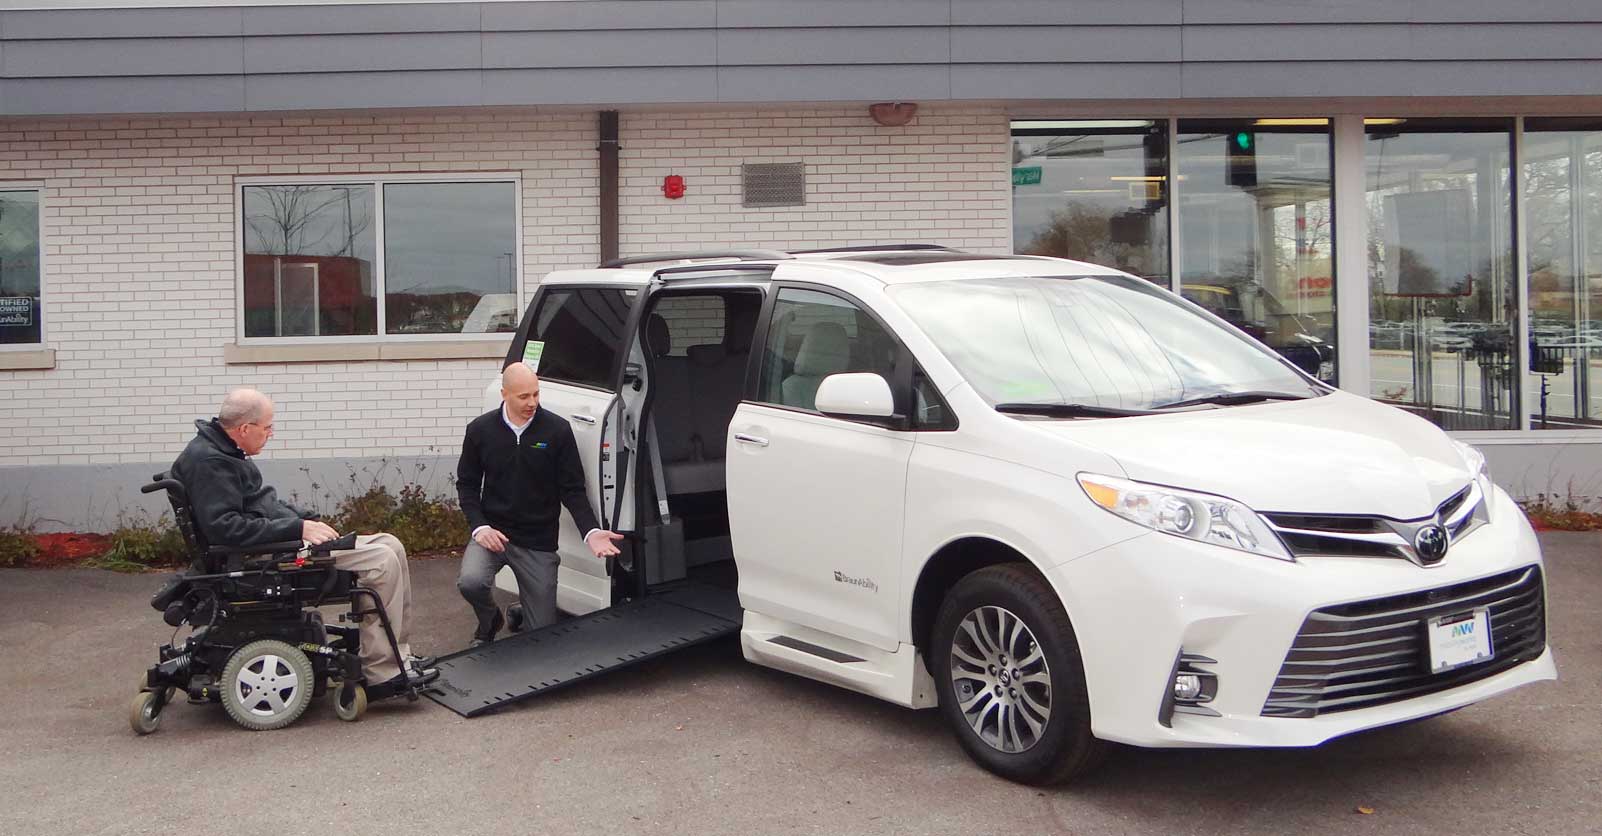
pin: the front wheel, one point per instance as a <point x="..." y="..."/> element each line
<point x="1012" y="685"/>
<point x="144" y="715"/>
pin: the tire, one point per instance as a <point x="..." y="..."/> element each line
<point x="1011" y="682"/>
<point x="144" y="715"/>
<point x="352" y="711"/>
<point x="267" y="685"/>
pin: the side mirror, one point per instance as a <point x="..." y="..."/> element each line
<point x="855" y="395"/>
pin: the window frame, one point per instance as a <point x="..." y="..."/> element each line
<point x="525" y="328"/>
<point x="380" y="277"/>
<point x="38" y="188"/>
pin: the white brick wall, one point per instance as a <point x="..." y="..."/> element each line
<point x="139" y="233"/>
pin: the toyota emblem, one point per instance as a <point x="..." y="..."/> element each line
<point x="1431" y="543"/>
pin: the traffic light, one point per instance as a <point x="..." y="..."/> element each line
<point x="1241" y="160"/>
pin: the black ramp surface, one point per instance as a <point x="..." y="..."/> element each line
<point x="522" y="665"/>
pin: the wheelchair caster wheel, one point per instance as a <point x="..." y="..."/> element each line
<point x="267" y="684"/>
<point x="144" y="715"/>
<point x="350" y="709"/>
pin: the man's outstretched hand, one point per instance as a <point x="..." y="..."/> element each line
<point x="315" y="532"/>
<point x="601" y="542"/>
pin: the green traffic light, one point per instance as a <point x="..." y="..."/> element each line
<point x="1243" y="141"/>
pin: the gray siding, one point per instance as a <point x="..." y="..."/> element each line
<point x="158" y="60"/>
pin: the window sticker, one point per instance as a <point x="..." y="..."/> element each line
<point x="532" y="352"/>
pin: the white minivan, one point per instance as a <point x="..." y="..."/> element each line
<point x="1060" y="503"/>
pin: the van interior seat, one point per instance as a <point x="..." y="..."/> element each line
<point x="696" y="396"/>
<point x="825" y="350"/>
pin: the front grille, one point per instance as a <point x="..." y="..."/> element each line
<point x="1376" y="652"/>
<point x="1308" y="535"/>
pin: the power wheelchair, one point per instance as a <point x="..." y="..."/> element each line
<point x="257" y="642"/>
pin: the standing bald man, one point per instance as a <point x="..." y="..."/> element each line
<point x="520" y="466"/>
<point x="233" y="507"/>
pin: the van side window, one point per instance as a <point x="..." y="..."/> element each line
<point x="814" y="335"/>
<point x="582" y="331"/>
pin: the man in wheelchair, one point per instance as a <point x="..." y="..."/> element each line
<point x="262" y="567"/>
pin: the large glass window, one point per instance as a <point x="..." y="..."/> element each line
<point x="1562" y="171"/>
<point x="1442" y="285"/>
<point x="312" y="265"/>
<point x="1093" y="191"/>
<point x="1256" y="231"/>
<point x="20" y="312"/>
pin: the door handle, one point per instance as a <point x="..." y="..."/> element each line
<point x="750" y="439"/>
<point x="581" y="417"/>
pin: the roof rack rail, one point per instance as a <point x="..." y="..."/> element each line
<point x="755" y="255"/>
<point x="875" y="248"/>
<point x="724" y="266"/>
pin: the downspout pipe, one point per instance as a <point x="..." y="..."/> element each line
<point x="608" y="149"/>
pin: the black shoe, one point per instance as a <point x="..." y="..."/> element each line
<point x="514" y="618"/>
<point x="487" y="633"/>
<point x="420" y="663"/>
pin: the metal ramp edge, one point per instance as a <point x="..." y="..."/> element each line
<point x="523" y="665"/>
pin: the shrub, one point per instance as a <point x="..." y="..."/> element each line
<point x="17" y="547"/>
<point x="138" y="546"/>
<point x="1562" y="512"/>
<point x="422" y="523"/>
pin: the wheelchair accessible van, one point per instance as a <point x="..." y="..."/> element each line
<point x="257" y="642"/>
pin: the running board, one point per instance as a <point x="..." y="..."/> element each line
<point x="523" y="665"/>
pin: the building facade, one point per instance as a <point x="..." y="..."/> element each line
<point x="347" y="205"/>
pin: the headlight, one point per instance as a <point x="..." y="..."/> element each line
<point x="1196" y="516"/>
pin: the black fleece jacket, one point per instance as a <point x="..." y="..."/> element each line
<point x="231" y="505"/>
<point x="519" y="487"/>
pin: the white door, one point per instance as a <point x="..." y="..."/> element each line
<point x="576" y="334"/>
<point x="816" y="503"/>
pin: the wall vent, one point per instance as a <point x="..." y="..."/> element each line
<point x="773" y="184"/>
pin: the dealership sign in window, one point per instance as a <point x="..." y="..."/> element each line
<point x="371" y="258"/>
<point x="20" y="313"/>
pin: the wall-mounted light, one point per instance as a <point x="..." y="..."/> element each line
<point x="893" y="114"/>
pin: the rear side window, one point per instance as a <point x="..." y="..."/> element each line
<point x="580" y="333"/>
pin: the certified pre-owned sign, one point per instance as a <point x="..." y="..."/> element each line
<point x="16" y="310"/>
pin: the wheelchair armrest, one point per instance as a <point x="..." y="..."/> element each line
<point x="259" y="548"/>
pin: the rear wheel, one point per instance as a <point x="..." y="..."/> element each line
<point x="267" y="684"/>
<point x="1011" y="682"/>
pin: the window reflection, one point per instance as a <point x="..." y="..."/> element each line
<point x="450" y="260"/>
<point x="1562" y="171"/>
<point x="1442" y="306"/>
<point x="1093" y="191"/>
<point x="309" y="253"/>
<point x="20" y="312"/>
<point x="1257" y="232"/>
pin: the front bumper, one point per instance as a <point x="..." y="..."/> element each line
<point x="1138" y="604"/>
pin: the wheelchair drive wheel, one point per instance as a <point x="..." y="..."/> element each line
<point x="267" y="684"/>
<point x="350" y="708"/>
<point x="144" y="715"/>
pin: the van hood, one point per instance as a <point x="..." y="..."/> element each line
<point x="1336" y="454"/>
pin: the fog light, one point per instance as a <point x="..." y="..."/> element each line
<point x="1187" y="687"/>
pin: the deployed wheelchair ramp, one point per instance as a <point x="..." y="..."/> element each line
<point x="485" y="678"/>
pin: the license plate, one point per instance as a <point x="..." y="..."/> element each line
<point x="1458" y="640"/>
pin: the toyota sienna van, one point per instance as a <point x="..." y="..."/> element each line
<point x="1057" y="503"/>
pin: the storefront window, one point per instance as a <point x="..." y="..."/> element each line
<point x="20" y="312"/>
<point x="450" y="258"/>
<point x="1562" y="170"/>
<point x="1442" y="285"/>
<point x="311" y="265"/>
<point x="309" y="256"/>
<point x="1093" y="191"/>
<point x="1256" y="231"/>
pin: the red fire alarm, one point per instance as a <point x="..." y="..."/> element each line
<point x="673" y="187"/>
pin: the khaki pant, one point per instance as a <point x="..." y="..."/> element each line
<point x="379" y="562"/>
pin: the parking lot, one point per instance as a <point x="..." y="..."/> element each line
<point x="701" y="742"/>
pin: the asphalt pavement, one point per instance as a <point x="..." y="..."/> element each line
<point x="701" y="742"/>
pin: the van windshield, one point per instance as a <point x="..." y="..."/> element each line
<point x="1110" y="342"/>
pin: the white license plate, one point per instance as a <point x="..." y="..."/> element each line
<point x="1458" y="640"/>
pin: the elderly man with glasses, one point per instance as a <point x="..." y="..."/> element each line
<point x="233" y="507"/>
